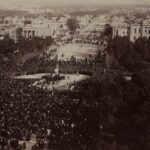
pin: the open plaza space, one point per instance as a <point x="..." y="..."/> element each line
<point x="79" y="51"/>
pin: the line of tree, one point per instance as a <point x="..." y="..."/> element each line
<point x="131" y="56"/>
<point x="8" y="45"/>
<point x="142" y="47"/>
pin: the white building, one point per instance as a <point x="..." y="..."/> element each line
<point x="121" y="30"/>
<point x="43" y="32"/>
<point x="133" y="30"/>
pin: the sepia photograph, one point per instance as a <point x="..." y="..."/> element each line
<point x="74" y="74"/>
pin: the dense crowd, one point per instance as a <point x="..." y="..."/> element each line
<point x="45" y="63"/>
<point x="61" y="118"/>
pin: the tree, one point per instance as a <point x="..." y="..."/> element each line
<point x="7" y="45"/>
<point x="124" y="52"/>
<point x="108" y="30"/>
<point x="142" y="47"/>
<point x="27" y="22"/>
<point x="72" y="25"/>
<point x="19" y="32"/>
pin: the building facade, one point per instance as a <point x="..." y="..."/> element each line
<point x="121" y="30"/>
<point x="133" y="30"/>
<point x="30" y="32"/>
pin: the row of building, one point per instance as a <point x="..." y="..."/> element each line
<point x="132" y="30"/>
<point x="56" y="28"/>
<point x="38" y="27"/>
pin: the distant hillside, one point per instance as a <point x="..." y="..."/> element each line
<point x="13" y="13"/>
<point x="94" y="12"/>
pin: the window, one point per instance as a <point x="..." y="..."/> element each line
<point x="135" y="30"/>
<point x="117" y="33"/>
<point x="33" y="33"/>
<point x="127" y="32"/>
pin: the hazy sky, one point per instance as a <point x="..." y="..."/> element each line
<point x="70" y="2"/>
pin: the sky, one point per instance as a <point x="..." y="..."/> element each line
<point x="10" y="3"/>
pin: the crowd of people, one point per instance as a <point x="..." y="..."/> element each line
<point x="44" y="63"/>
<point x="59" y="117"/>
<point x="64" y="119"/>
